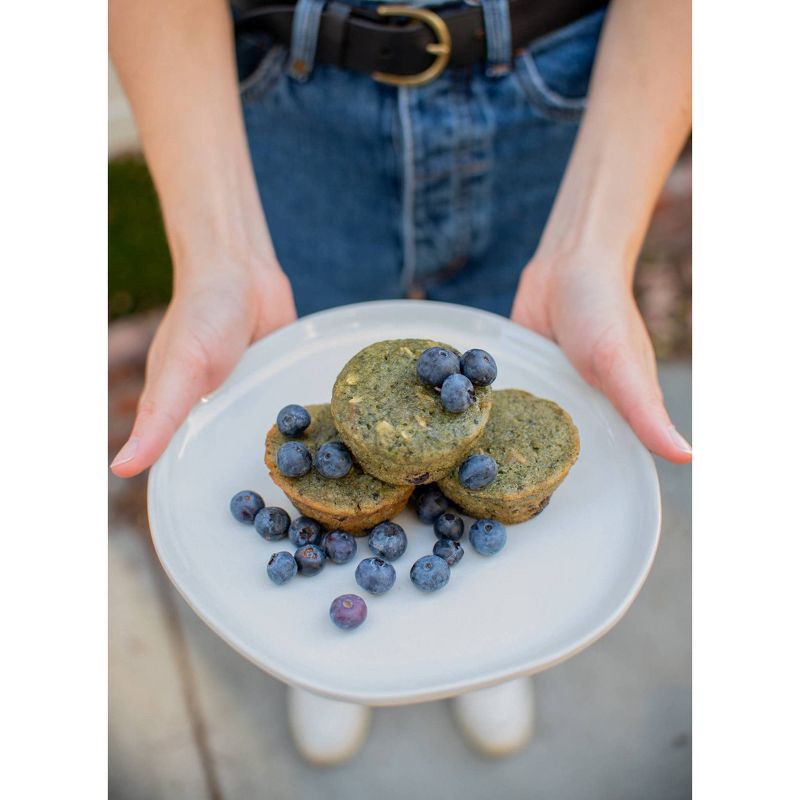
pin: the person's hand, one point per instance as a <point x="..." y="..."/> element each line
<point x="586" y="305"/>
<point x="212" y="318"/>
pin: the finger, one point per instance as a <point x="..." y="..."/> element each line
<point x="625" y="371"/>
<point x="172" y="388"/>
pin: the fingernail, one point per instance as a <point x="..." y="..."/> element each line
<point x="678" y="440"/>
<point x="128" y="452"/>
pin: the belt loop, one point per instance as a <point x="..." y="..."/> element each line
<point x="497" y="24"/>
<point x="305" y="28"/>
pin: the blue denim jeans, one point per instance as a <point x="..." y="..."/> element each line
<point x="373" y="192"/>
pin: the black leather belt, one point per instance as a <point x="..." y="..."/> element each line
<point x="410" y="46"/>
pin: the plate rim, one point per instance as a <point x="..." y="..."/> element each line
<point x="443" y="689"/>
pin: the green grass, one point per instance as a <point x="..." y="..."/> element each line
<point x="139" y="266"/>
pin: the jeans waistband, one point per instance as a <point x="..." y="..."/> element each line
<point x="305" y="30"/>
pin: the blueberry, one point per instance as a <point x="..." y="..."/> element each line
<point x="339" y="547"/>
<point x="281" y="567"/>
<point x="293" y="459"/>
<point x="305" y="530"/>
<point x="388" y="541"/>
<point x="429" y="502"/>
<point x="333" y="460"/>
<point x="435" y="364"/>
<point x="451" y="552"/>
<point x="449" y="526"/>
<point x="272" y="523"/>
<point x="479" y="367"/>
<point x="488" y="536"/>
<point x="348" y="611"/>
<point x="293" y="420"/>
<point x="245" y="505"/>
<point x="477" y="471"/>
<point x="310" y="559"/>
<point x="375" y="575"/>
<point x="430" y="573"/>
<point x="458" y="394"/>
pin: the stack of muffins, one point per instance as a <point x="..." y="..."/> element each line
<point x="401" y="436"/>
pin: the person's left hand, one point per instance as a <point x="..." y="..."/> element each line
<point x="585" y="303"/>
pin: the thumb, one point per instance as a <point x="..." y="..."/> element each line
<point x="173" y="385"/>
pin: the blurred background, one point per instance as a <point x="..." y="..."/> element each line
<point x="190" y="718"/>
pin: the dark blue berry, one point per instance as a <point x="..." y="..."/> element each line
<point x="435" y="364"/>
<point x="272" y="523"/>
<point x="310" y="560"/>
<point x="333" y="460"/>
<point x="245" y="505"/>
<point x="457" y="394"/>
<point x="348" y="611"/>
<point x="340" y="547"/>
<point x="451" y="552"/>
<point x="293" y="459"/>
<point x="430" y="573"/>
<point x="479" y="367"/>
<point x="477" y="471"/>
<point x="293" y="420"/>
<point x="375" y="575"/>
<point x="488" y="536"/>
<point x="388" y="541"/>
<point x="429" y="502"/>
<point x="281" y="567"/>
<point x="449" y="526"/>
<point x="305" y="530"/>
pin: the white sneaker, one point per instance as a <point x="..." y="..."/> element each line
<point x="326" y="732"/>
<point x="497" y="721"/>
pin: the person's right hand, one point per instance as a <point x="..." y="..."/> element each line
<point x="214" y="315"/>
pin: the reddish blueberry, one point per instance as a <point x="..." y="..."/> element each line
<point x="348" y="611"/>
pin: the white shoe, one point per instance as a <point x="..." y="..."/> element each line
<point x="497" y="721"/>
<point x="326" y="732"/>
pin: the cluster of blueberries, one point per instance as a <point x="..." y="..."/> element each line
<point x="387" y="540"/>
<point x="456" y="378"/>
<point x="332" y="460"/>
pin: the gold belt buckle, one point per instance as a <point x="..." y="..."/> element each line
<point x="441" y="48"/>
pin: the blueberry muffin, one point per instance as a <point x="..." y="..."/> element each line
<point x="395" y="425"/>
<point x="354" y="503"/>
<point x="534" y="442"/>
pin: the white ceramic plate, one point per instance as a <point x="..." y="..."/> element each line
<point x="562" y="581"/>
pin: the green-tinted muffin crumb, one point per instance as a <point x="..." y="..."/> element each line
<point x="534" y="443"/>
<point x="395" y="425"/>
